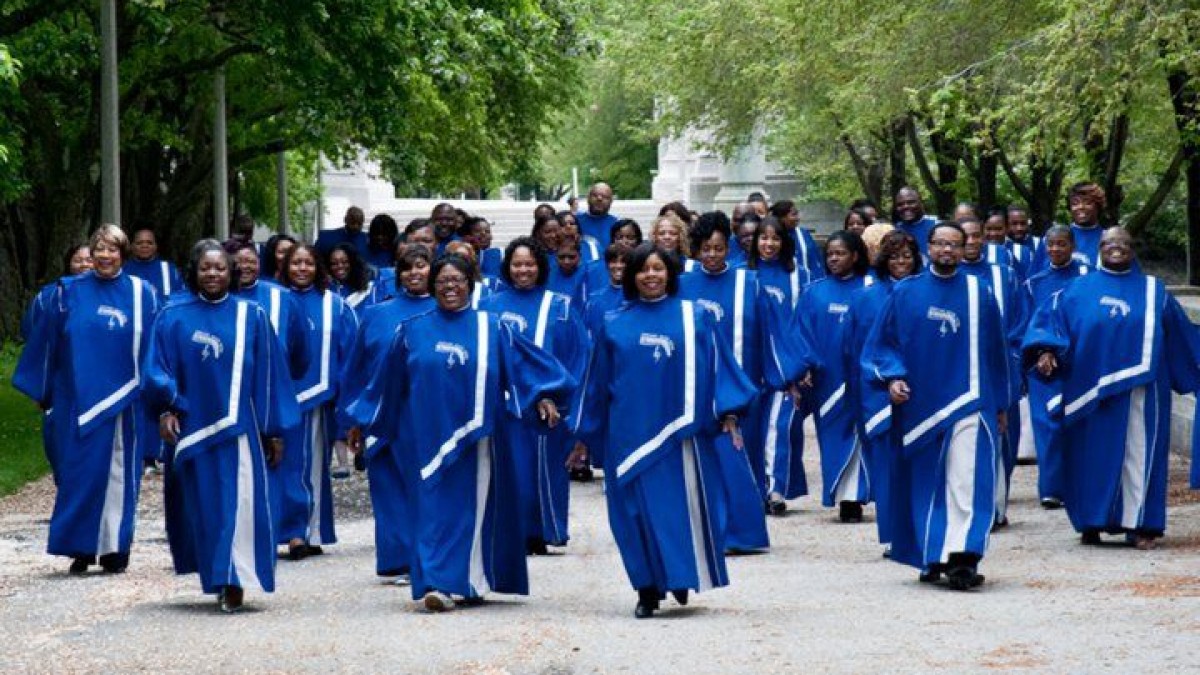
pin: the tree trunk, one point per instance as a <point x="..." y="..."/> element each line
<point x="1186" y="102"/>
<point x="897" y="175"/>
<point x="1113" y="190"/>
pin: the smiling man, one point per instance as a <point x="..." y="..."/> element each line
<point x="937" y="352"/>
<point x="1116" y="343"/>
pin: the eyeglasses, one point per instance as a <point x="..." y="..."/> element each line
<point x="942" y="243"/>
<point x="450" y="282"/>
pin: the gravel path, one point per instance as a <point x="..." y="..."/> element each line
<point x="823" y="600"/>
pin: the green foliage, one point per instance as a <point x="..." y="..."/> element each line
<point x="258" y="188"/>
<point x="21" y="456"/>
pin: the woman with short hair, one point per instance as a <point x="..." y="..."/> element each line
<point x="82" y="362"/>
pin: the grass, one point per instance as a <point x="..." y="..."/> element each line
<point x="21" y="456"/>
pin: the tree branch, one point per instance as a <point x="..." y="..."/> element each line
<point x="191" y="67"/>
<point x="1018" y="184"/>
<point x="1138" y="222"/>
<point x="39" y="11"/>
<point x="914" y="141"/>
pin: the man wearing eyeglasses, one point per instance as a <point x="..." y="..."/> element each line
<point x="938" y="354"/>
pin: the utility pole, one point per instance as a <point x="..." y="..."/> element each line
<point x="110" y="127"/>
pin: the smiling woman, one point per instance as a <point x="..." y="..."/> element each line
<point x="219" y="380"/>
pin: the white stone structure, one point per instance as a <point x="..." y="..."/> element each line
<point x="702" y="180"/>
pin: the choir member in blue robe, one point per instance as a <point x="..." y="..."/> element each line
<point x="468" y="539"/>
<point x="822" y="315"/>
<point x="304" y="520"/>
<point x="349" y="276"/>
<point x="162" y="275"/>
<point x="273" y="253"/>
<point x="1085" y="202"/>
<point x="477" y="232"/>
<point x="567" y="275"/>
<point x="548" y="320"/>
<point x="625" y="231"/>
<point x="612" y="294"/>
<point x="216" y="373"/>
<point x="809" y="258"/>
<point x="1005" y="288"/>
<point x="661" y="387"/>
<point x="1022" y="243"/>
<point x="382" y="234"/>
<point x="351" y="233"/>
<point x="1045" y="428"/>
<point x="911" y="218"/>
<point x="390" y="464"/>
<point x="670" y="234"/>
<point x="1118" y="343"/>
<point x="595" y="221"/>
<point x="938" y="351"/>
<point x="773" y="258"/>
<point x="732" y="300"/>
<point x="590" y="249"/>
<point x="81" y="364"/>
<point x="283" y="309"/>
<point x="898" y="258"/>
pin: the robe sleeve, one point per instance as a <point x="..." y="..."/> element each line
<point x="356" y="371"/>
<point x="529" y="374"/>
<point x="996" y="349"/>
<point x="160" y="384"/>
<point x="787" y="352"/>
<point x="378" y="408"/>
<point x="39" y="359"/>
<point x="573" y="353"/>
<point x="881" y="360"/>
<point x="347" y="332"/>
<point x="733" y="392"/>
<point x="274" y="396"/>
<point x="1182" y="342"/>
<point x="592" y="423"/>
<point x="1046" y="330"/>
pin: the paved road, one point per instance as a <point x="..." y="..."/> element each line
<point x="823" y="600"/>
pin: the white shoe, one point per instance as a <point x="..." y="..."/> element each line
<point x="436" y="601"/>
<point x="400" y="580"/>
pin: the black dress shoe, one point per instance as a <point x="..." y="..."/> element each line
<point x="297" y="552"/>
<point x="582" y="474"/>
<point x="680" y="596"/>
<point x="931" y="574"/>
<point x="962" y="578"/>
<point x="1000" y="524"/>
<point x="536" y="547"/>
<point x="114" y="563"/>
<point x="647" y="603"/>
<point x="850" y="512"/>
<point x="314" y="550"/>
<point x="1090" y="538"/>
<point x="79" y="565"/>
<point x="229" y="600"/>
<point x="1051" y="503"/>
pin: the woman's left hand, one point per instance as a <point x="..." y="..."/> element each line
<point x="548" y="412"/>
<point x="274" y="451"/>
<point x="729" y="425"/>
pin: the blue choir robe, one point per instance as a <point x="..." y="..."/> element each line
<point x="1020" y="257"/>
<point x="385" y="284"/>
<point x="483" y="290"/>
<point x="1001" y="254"/>
<point x="1045" y="429"/>
<point x="590" y="250"/>
<point x="945" y="338"/>
<point x="379" y="258"/>
<point x="660" y="381"/>
<point x="490" y="260"/>
<point x="33" y="315"/>
<point x="357" y="300"/>
<point x="783" y="419"/>
<point x="391" y="475"/>
<point x="879" y="449"/>
<point x="82" y="365"/>
<point x="219" y="366"/>
<point x="574" y="287"/>
<point x="301" y="481"/>
<point x="823" y="317"/>
<point x="596" y="227"/>
<point x="737" y="256"/>
<point x="287" y="320"/>
<point x="601" y="302"/>
<point x="732" y="300"/>
<point x="468" y="537"/>
<point x="809" y="256"/>
<point x="920" y="230"/>
<point x="1122" y="343"/>
<point x="162" y="275"/>
<point x="549" y="321"/>
<point x="1006" y="289"/>
<point x="1087" y="248"/>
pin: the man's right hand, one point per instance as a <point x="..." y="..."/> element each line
<point x="899" y="392"/>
